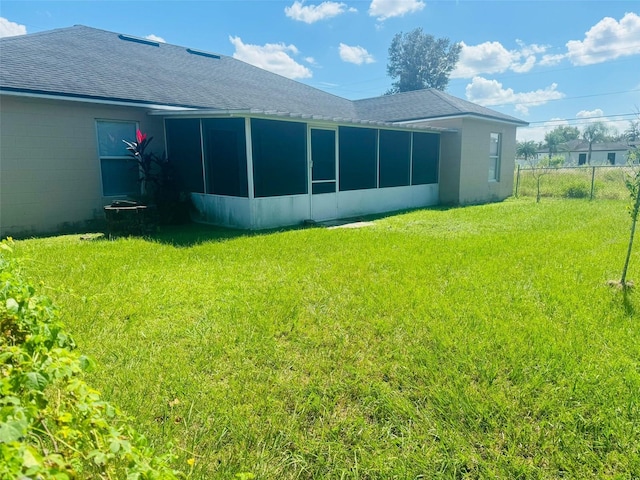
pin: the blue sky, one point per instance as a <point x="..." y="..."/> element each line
<point x="546" y="62"/>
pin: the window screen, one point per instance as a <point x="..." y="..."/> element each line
<point x="225" y="156"/>
<point x="279" y="157"/>
<point x="185" y="153"/>
<point x="426" y="152"/>
<point x="119" y="171"/>
<point x="395" y="158"/>
<point x="358" y="158"/>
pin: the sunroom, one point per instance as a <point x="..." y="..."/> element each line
<point x="265" y="170"/>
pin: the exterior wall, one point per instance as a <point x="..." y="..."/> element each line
<point x="597" y="158"/>
<point x="475" y="186"/>
<point x="464" y="160"/>
<point x="50" y="172"/>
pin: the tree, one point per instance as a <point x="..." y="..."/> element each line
<point x="593" y="133"/>
<point x="418" y="60"/>
<point x="632" y="134"/>
<point x="559" y="135"/>
<point x="526" y="150"/>
<point x="552" y="139"/>
<point x="542" y="168"/>
<point x="632" y="182"/>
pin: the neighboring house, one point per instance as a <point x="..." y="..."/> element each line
<point x="256" y="150"/>
<point x="576" y="153"/>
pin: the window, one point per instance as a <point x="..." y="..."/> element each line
<point x="494" y="157"/>
<point x="426" y="153"/>
<point x="582" y="158"/>
<point x="611" y="157"/>
<point x="279" y="157"/>
<point x="119" y="171"/>
<point x="358" y="158"/>
<point x="225" y="156"/>
<point x="395" y="158"/>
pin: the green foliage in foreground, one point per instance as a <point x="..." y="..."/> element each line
<point x="52" y="424"/>
<point x="477" y="342"/>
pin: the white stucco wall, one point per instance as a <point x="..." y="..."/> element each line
<point x="50" y="172"/>
<point x="597" y="158"/>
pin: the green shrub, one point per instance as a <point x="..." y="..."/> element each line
<point x="576" y="190"/>
<point x="52" y="424"/>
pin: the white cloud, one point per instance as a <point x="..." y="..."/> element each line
<point x="493" y="57"/>
<point x="383" y="9"/>
<point x="590" y="113"/>
<point x="155" y="38"/>
<point x="584" y="117"/>
<point x="491" y="92"/>
<point x="607" y="40"/>
<point x="313" y="13"/>
<point x="271" y="56"/>
<point x="538" y="132"/>
<point x="311" y="61"/>
<point x="355" y="54"/>
<point x="550" y="60"/>
<point x="597" y="115"/>
<point x="11" y="29"/>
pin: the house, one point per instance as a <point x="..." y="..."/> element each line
<point x="254" y="149"/>
<point x="576" y="153"/>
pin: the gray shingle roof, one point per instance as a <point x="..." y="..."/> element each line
<point x="86" y="62"/>
<point x="421" y="104"/>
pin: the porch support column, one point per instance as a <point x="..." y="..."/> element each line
<point x="252" y="202"/>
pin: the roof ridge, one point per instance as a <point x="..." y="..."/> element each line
<point x="441" y="94"/>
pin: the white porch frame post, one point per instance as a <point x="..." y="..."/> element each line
<point x="411" y="160"/>
<point x="250" y="186"/>
<point x="309" y="171"/>
<point x="204" y="167"/>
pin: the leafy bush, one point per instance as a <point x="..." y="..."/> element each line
<point x="52" y="424"/>
<point x="577" y="190"/>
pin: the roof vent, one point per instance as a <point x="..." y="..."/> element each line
<point x="144" y="41"/>
<point x="203" y="54"/>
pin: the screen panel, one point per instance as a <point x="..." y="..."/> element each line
<point x="279" y="157"/>
<point x="358" y="158"/>
<point x="225" y="156"/>
<point x="395" y="158"/>
<point x="425" y="158"/>
<point x="185" y="153"/>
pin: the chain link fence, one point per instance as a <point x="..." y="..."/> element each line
<point x="593" y="182"/>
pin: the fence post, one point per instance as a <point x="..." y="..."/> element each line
<point x="593" y="177"/>
<point x="517" y="180"/>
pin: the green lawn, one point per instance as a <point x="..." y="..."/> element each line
<point x="477" y="342"/>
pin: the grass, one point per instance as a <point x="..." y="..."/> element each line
<point x="477" y="342"/>
<point x="608" y="183"/>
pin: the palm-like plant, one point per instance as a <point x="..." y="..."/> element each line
<point x="593" y="133"/>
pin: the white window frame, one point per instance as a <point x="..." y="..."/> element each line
<point x="494" y="160"/>
<point x="113" y="157"/>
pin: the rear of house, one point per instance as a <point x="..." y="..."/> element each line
<point x="254" y="150"/>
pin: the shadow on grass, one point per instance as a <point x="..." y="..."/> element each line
<point x="192" y="234"/>
<point x="627" y="302"/>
